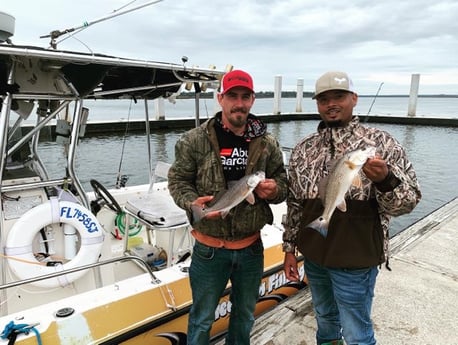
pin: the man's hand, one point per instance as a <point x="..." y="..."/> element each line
<point x="375" y="169"/>
<point x="267" y="189"/>
<point x="290" y="267"/>
<point x="202" y="203"/>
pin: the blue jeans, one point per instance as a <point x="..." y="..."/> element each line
<point x="342" y="300"/>
<point x="210" y="270"/>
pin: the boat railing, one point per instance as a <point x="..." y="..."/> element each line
<point x="136" y="259"/>
<point x="33" y="185"/>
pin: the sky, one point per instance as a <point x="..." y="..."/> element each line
<point x="380" y="44"/>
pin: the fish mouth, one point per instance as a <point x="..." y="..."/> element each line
<point x="261" y="174"/>
<point x="369" y="151"/>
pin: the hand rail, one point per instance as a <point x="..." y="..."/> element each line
<point x="154" y="280"/>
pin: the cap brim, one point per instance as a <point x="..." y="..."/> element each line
<point x="234" y="86"/>
<point x="331" y="89"/>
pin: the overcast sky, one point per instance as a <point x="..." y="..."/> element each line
<point x="374" y="41"/>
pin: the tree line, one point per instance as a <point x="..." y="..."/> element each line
<point x="292" y="94"/>
<point x="261" y="94"/>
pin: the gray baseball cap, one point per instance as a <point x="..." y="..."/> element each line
<point x="333" y="80"/>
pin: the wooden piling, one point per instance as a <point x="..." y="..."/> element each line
<point x="413" y="96"/>
<point x="277" y="95"/>
<point x="299" y="95"/>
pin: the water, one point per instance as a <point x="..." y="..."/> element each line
<point x="185" y="108"/>
<point x="431" y="150"/>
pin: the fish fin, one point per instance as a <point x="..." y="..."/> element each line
<point x="197" y="213"/>
<point x="357" y="182"/>
<point x="351" y="165"/>
<point x="321" y="225"/>
<point x="224" y="213"/>
<point x="250" y="198"/>
<point x="342" y="206"/>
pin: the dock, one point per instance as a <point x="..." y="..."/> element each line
<point x="104" y="127"/>
<point x="139" y="126"/>
<point x="415" y="302"/>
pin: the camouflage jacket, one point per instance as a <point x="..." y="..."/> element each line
<point x="198" y="171"/>
<point x="311" y="160"/>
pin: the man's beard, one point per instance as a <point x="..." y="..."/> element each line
<point x="334" y="123"/>
<point x="238" y="121"/>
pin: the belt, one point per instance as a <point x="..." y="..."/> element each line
<point x="220" y="243"/>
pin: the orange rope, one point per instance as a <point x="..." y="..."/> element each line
<point x="27" y="261"/>
<point x="22" y="260"/>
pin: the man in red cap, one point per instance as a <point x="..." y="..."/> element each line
<point x="232" y="144"/>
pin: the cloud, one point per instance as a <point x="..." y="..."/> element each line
<point x="375" y="42"/>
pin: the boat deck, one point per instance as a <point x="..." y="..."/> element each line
<point x="415" y="303"/>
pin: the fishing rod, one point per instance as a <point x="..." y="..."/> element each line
<point x="373" y="101"/>
<point x="57" y="33"/>
<point x="375" y="97"/>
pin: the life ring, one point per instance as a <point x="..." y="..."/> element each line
<point x="20" y="238"/>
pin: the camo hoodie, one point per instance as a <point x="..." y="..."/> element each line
<point x="359" y="237"/>
<point x="198" y="171"/>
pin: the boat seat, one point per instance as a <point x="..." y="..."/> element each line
<point x="157" y="211"/>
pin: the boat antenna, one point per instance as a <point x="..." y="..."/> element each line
<point x="373" y="100"/>
<point x="57" y="33"/>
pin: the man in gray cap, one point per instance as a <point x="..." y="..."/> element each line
<point x="344" y="241"/>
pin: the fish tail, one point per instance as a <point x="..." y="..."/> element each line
<point x="197" y="213"/>
<point x="321" y="225"/>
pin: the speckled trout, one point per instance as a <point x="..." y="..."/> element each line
<point x="234" y="195"/>
<point x="333" y="188"/>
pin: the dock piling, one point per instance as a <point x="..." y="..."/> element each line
<point x="413" y="96"/>
<point x="159" y="108"/>
<point x="277" y="95"/>
<point x="299" y="95"/>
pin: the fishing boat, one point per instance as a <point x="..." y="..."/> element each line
<point x="98" y="266"/>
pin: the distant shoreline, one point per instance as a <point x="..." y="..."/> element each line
<point x="419" y="96"/>
<point x="292" y="94"/>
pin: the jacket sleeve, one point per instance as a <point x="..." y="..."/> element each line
<point x="182" y="173"/>
<point x="275" y="169"/>
<point x="294" y="205"/>
<point x="401" y="193"/>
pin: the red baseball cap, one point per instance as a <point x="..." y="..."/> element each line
<point x="236" y="78"/>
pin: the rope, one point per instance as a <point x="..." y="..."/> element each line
<point x="21" y="260"/>
<point x="43" y="262"/>
<point x="121" y="224"/>
<point x="12" y="330"/>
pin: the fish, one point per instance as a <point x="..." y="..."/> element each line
<point x="237" y="192"/>
<point x="343" y="174"/>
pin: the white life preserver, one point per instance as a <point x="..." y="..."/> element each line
<point x="21" y="236"/>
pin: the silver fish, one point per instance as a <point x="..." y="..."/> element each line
<point x="237" y="192"/>
<point x="343" y="175"/>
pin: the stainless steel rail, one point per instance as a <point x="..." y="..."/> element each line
<point x="136" y="259"/>
<point x="34" y="185"/>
